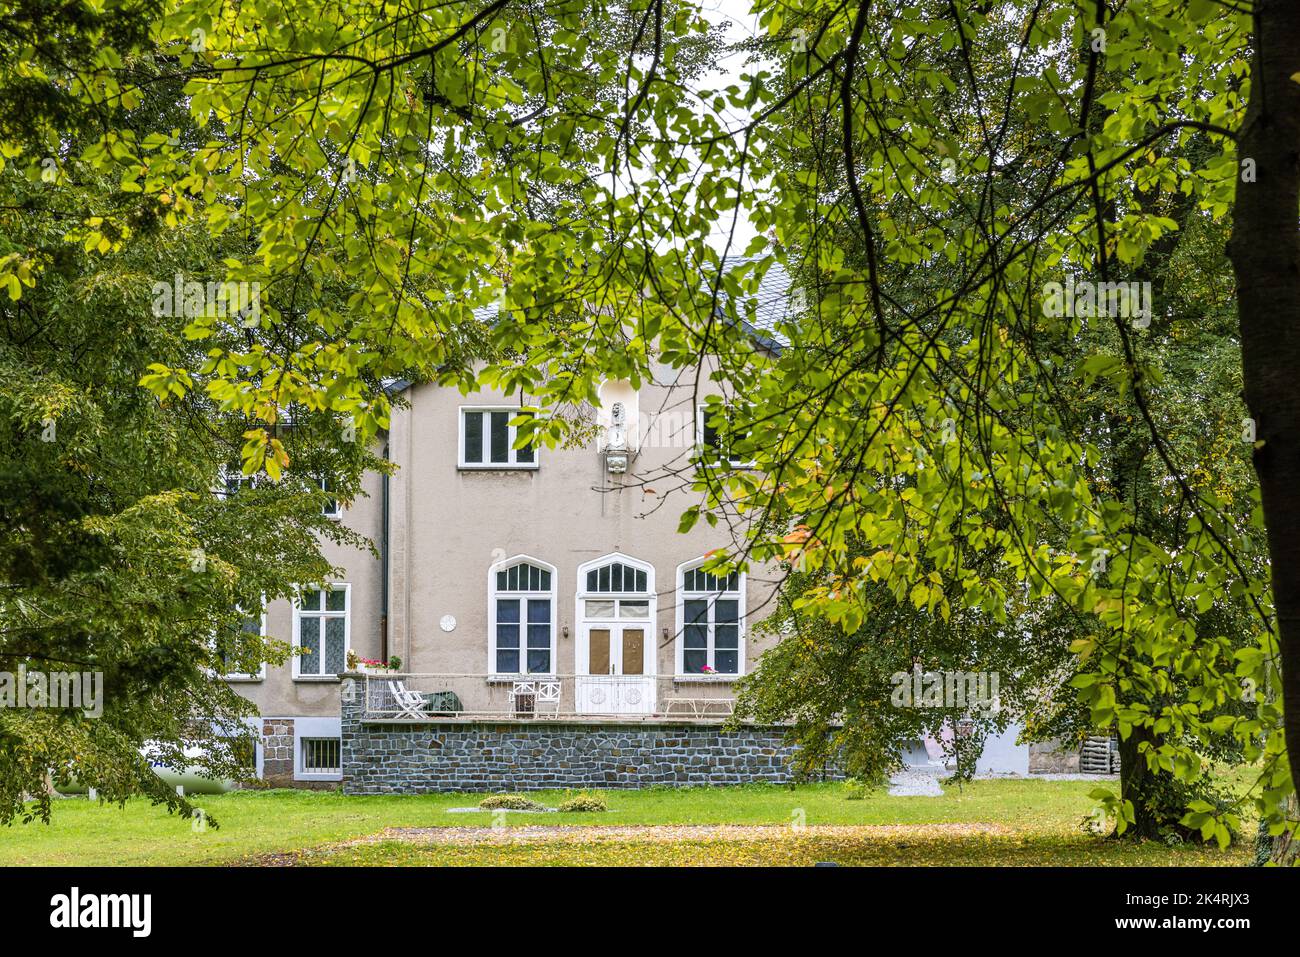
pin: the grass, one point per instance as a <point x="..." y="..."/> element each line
<point x="1024" y="822"/>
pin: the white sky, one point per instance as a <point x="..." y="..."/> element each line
<point x="740" y="24"/>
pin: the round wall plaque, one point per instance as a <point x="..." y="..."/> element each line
<point x="448" y="623"/>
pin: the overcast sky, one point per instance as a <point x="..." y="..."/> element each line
<point x="740" y="24"/>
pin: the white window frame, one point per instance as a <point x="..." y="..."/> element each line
<point x="702" y="450"/>
<point x="345" y="614"/>
<point x="234" y="474"/>
<point x="306" y="772"/>
<point x="260" y="674"/>
<point x="493" y="594"/>
<point x="512" y="433"/>
<point x="321" y="483"/>
<point x="305" y="729"/>
<point x="711" y="597"/>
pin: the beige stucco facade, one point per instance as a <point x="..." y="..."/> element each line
<point x="449" y="526"/>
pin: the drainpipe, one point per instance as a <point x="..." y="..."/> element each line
<point x="383" y="559"/>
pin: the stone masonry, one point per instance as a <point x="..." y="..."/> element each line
<point x="277" y="751"/>
<point x="385" y="758"/>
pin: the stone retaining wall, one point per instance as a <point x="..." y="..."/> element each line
<point x="386" y="758"/>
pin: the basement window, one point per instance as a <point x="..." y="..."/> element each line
<point x="322" y="756"/>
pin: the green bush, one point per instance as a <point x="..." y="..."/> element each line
<point x="583" y="803"/>
<point x="510" y="802"/>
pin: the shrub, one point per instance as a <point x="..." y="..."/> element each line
<point x="584" y="803"/>
<point x="510" y="802"/>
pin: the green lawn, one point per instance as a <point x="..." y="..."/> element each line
<point x="1007" y="822"/>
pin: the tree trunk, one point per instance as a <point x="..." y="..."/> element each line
<point x="1137" y="784"/>
<point x="1285" y="851"/>
<point x="1265" y="253"/>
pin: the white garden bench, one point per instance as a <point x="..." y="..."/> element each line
<point x="529" y="697"/>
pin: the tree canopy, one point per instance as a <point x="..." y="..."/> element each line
<point x="990" y="393"/>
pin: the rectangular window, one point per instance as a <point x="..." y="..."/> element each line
<point x="634" y="609"/>
<point x="515" y="645"/>
<point x="321" y="629"/>
<point x="243" y="750"/>
<point x="487" y="440"/>
<point x="695" y="636"/>
<point x="726" y="636"/>
<point x="322" y="756"/>
<point x="331" y="507"/>
<point x="233" y="480"/>
<point x="507" y="636"/>
<point x="609" y="608"/>
<point x="539" y="635"/>
<point x="714" y="444"/>
<point x="227" y="648"/>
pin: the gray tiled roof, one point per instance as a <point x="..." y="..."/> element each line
<point x="764" y="311"/>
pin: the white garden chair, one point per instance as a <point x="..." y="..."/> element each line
<point x="410" y="704"/>
<point x="548" y="694"/>
<point x="529" y="697"/>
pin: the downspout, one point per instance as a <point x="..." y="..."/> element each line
<point x="383" y="559"/>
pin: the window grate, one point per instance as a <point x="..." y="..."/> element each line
<point x="322" y="755"/>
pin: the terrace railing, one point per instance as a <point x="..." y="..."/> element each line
<point x="480" y="697"/>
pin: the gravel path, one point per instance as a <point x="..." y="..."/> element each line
<point x="915" y="782"/>
<point x="667" y="833"/>
<point x="919" y="781"/>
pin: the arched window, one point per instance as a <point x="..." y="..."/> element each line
<point x="710" y="621"/>
<point x="615" y="586"/>
<point x="617" y="577"/>
<point x="521" y="617"/>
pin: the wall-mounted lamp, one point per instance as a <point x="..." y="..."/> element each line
<point x="665" y="634"/>
<point x="565" y="631"/>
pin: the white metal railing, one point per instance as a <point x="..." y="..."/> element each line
<point x="479" y="697"/>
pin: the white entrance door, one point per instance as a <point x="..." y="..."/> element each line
<point x="615" y="680"/>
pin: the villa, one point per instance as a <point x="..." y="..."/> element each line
<point x="553" y="626"/>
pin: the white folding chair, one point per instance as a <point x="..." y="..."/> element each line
<point x="410" y="704"/>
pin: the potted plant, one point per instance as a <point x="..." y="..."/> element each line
<point x="369" y="666"/>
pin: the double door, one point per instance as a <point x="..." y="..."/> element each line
<point x="616" y="673"/>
